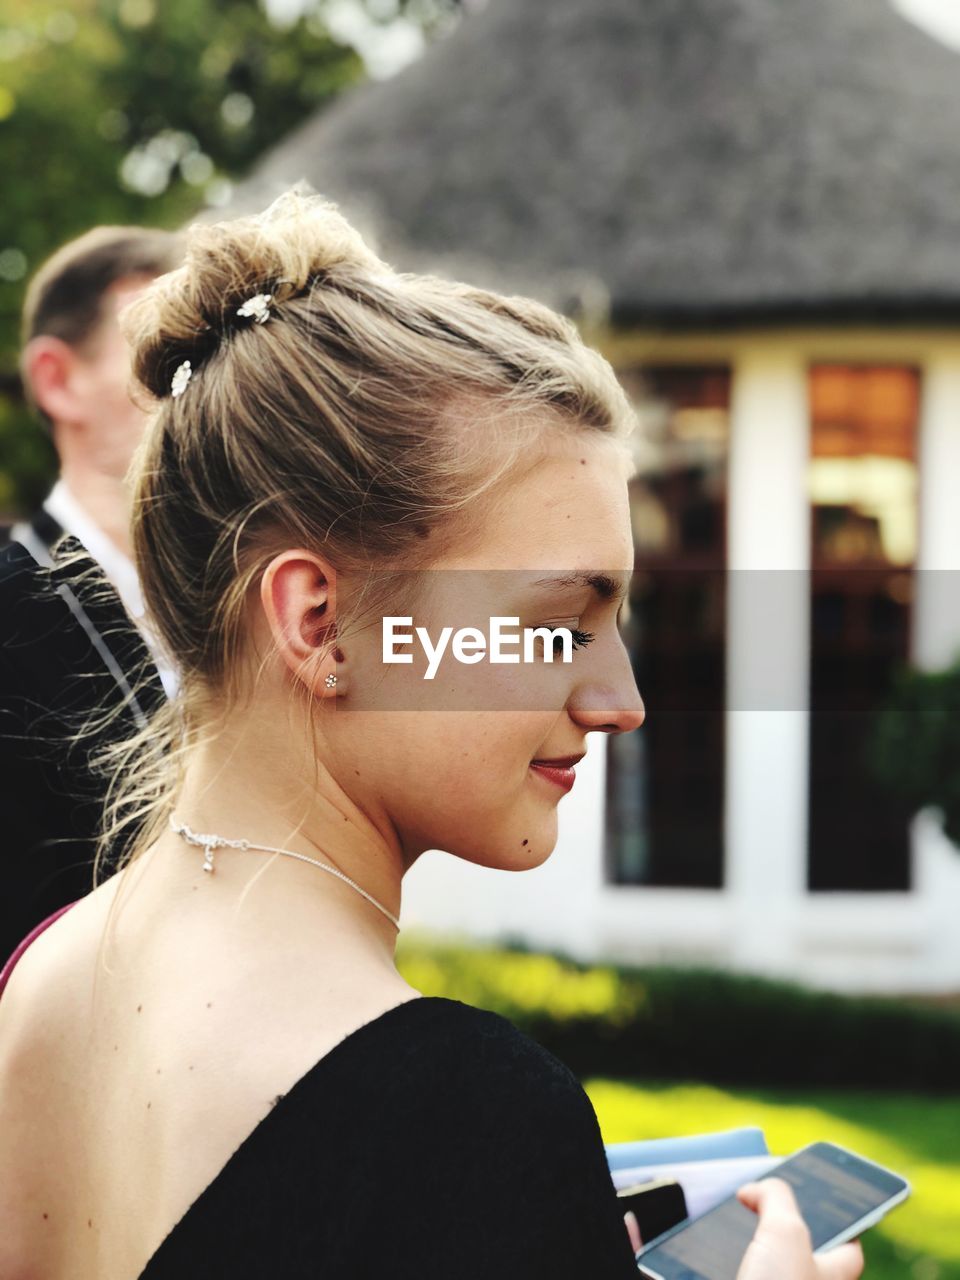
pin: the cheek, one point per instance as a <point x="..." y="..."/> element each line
<point x="463" y="759"/>
<point x="120" y="422"/>
<point x="461" y="783"/>
<point x="113" y="382"/>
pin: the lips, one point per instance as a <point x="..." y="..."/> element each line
<point x="558" y="771"/>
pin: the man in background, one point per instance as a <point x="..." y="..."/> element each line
<point x="72" y="640"/>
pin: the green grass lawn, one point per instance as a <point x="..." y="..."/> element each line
<point x="917" y="1137"/>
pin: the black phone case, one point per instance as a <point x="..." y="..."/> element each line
<point x="658" y="1207"/>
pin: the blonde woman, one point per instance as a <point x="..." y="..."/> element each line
<point x="210" y="1066"/>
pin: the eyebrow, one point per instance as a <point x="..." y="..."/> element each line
<point x="606" y="587"/>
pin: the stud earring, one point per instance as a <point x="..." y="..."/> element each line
<point x="330" y="681"/>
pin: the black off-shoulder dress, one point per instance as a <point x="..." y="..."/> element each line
<point x="436" y="1142"/>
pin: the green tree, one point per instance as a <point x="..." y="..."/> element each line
<point x="915" y="749"/>
<point x="132" y="111"/>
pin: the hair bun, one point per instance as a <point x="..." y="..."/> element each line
<point x="185" y="314"/>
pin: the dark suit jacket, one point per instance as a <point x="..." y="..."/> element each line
<point x="68" y="652"/>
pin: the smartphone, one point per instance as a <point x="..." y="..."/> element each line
<point x="839" y="1194"/>
<point x="658" y="1205"/>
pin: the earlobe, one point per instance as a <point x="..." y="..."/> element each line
<point x="298" y="596"/>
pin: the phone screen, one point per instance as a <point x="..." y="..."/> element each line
<point x="834" y="1189"/>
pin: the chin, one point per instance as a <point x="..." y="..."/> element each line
<point x="512" y="854"/>
<point x="532" y="856"/>
<point x="517" y="837"/>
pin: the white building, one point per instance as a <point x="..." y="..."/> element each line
<point x="755" y="208"/>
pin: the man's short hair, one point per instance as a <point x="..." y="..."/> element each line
<point x="65" y="298"/>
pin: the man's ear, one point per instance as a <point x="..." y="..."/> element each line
<point x="47" y="365"/>
<point x="299" y="599"/>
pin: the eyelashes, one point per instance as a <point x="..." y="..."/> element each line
<point x="580" y="640"/>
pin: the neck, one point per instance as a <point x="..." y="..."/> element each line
<point x="105" y="498"/>
<point x="231" y="791"/>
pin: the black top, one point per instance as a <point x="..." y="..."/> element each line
<point x="64" y="640"/>
<point x="436" y="1142"/>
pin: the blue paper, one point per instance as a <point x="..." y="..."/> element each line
<point x="726" y="1145"/>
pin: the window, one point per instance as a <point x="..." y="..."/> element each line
<point x="665" y="783"/>
<point x="864" y="526"/>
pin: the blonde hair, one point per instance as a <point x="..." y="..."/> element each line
<point x="369" y="412"/>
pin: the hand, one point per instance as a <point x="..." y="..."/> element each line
<point x="781" y="1247"/>
<point x="633" y="1229"/>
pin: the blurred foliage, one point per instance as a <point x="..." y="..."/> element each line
<point x="915" y="749"/>
<point x="694" y="1024"/>
<point x="918" y="1137"/>
<point x="137" y="111"/>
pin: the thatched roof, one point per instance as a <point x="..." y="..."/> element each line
<point x="698" y="161"/>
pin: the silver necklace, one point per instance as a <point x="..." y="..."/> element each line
<point x="210" y="842"/>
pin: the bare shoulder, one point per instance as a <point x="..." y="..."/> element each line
<point x="43" y="983"/>
<point x="49" y="973"/>
<point x="138" y="1045"/>
<point x="38" y="1009"/>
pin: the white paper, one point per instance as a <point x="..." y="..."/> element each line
<point x="705" y="1182"/>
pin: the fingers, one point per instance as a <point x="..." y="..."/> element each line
<point x="774" y="1201"/>
<point x="633" y="1229"/>
<point x="770" y="1197"/>
<point x="842" y="1263"/>
<point x="781" y="1223"/>
<point x="748" y="1193"/>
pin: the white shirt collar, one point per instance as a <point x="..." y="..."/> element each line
<point x="118" y="567"/>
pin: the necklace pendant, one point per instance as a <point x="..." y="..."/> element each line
<point x="209" y="842"/>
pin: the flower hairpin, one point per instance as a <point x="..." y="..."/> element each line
<point x="258" y="306"/>
<point x="182" y="375"/>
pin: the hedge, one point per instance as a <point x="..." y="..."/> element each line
<point x="695" y="1024"/>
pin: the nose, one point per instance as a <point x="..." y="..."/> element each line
<point x="609" y="701"/>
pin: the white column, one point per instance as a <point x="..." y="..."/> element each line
<point x="936" y="643"/>
<point x="768" y="607"/>
<point x="936" y="618"/>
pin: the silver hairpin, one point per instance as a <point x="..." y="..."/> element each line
<point x="182" y="375"/>
<point x="258" y="306"/>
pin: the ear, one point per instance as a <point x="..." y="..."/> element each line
<point x="298" y="595"/>
<point x="48" y="366"/>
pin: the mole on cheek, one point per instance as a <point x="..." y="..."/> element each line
<point x="526" y="841"/>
